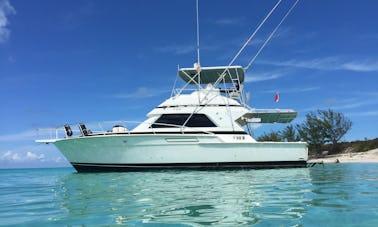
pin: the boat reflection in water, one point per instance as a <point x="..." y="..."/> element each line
<point x="186" y="197"/>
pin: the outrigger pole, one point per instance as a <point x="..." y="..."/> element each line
<point x="270" y="36"/>
<point x="221" y="77"/>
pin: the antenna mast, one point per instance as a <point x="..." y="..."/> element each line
<point x="198" y="41"/>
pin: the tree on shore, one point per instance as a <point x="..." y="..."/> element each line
<point x="312" y="132"/>
<point x="336" y="125"/>
<point x="272" y="136"/>
<point x="327" y="126"/>
<point x="289" y="134"/>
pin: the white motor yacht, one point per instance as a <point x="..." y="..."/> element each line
<point x="201" y="129"/>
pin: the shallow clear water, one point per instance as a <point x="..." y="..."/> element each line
<point x="333" y="195"/>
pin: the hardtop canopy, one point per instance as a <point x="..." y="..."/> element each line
<point x="209" y="75"/>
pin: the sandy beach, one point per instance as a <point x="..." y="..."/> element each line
<point x="367" y="156"/>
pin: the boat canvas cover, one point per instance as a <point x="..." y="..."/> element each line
<point x="268" y="116"/>
<point x="209" y="75"/>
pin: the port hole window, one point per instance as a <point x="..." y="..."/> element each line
<point x="169" y="120"/>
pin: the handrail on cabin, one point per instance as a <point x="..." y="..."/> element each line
<point x="66" y="131"/>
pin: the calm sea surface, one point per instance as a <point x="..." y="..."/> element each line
<point x="333" y="195"/>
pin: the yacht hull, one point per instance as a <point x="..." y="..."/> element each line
<point x="155" y="152"/>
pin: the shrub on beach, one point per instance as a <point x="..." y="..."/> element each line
<point x="323" y="127"/>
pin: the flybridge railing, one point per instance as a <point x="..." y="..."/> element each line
<point x="103" y="128"/>
<point x="233" y="92"/>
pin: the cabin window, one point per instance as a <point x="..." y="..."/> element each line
<point x="196" y="120"/>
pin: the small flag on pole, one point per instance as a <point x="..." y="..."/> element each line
<point x="277" y="97"/>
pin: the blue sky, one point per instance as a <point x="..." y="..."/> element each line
<point x="87" y="61"/>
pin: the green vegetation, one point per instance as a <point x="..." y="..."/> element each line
<point x="365" y="145"/>
<point x="327" y="126"/>
<point x="289" y="134"/>
<point x="355" y="146"/>
<point x="272" y="136"/>
<point x="320" y="129"/>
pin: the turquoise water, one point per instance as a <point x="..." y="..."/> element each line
<point x="333" y="195"/>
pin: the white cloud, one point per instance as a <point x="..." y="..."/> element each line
<point x="141" y="92"/>
<point x="30" y="156"/>
<point x="356" y="100"/>
<point x="295" y="90"/>
<point x="366" y="66"/>
<point x="360" y="101"/>
<point x="373" y="113"/>
<point x="283" y="32"/>
<point x="78" y="15"/>
<point x="182" y="49"/>
<point x="257" y="77"/>
<point x="21" y="136"/>
<point x="318" y="63"/>
<point x="5" y="9"/>
<point x="23" y="159"/>
<point x="30" y="135"/>
<point x="329" y="64"/>
<point x="13" y="156"/>
<point x="229" y="21"/>
<point x="10" y="156"/>
<point x="58" y="159"/>
<point x="354" y="103"/>
<point x="177" y="49"/>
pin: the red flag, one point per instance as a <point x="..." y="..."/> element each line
<point x="277" y="97"/>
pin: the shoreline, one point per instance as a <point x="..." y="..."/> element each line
<point x="358" y="157"/>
